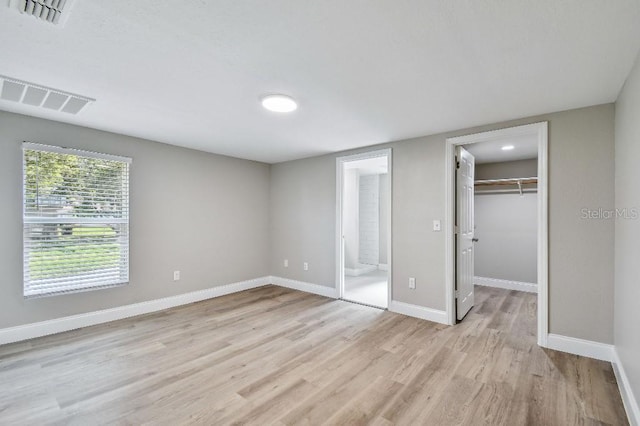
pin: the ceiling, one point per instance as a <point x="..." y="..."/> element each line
<point x="525" y="147"/>
<point x="191" y="72"/>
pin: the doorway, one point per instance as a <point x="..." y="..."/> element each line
<point x="529" y="142"/>
<point x="363" y="228"/>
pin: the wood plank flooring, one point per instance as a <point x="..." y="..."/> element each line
<point x="278" y="356"/>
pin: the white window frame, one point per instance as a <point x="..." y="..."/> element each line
<point x="75" y="285"/>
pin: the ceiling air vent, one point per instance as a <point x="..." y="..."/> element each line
<point x="40" y="96"/>
<point x="53" y="11"/>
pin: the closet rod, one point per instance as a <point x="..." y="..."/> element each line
<point x="513" y="181"/>
<point x="507" y="191"/>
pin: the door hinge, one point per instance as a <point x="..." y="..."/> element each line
<point x="455" y="230"/>
<point x="457" y="164"/>
<point x="457" y="294"/>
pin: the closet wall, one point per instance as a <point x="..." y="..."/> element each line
<point x="506" y="225"/>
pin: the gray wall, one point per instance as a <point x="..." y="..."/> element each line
<point x="303" y="195"/>
<point x="204" y="214"/>
<point x="627" y="272"/>
<point x="506" y="225"/>
<point x="581" y="252"/>
<point x="302" y="219"/>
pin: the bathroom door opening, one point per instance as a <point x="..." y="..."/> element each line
<point x="363" y="240"/>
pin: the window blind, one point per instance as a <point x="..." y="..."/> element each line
<point x="75" y="220"/>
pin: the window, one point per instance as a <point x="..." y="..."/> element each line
<point x="76" y="220"/>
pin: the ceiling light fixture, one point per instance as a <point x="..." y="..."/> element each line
<point x="507" y="147"/>
<point x="279" y="103"/>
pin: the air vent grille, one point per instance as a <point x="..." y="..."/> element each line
<point x="52" y="11"/>
<point x="40" y="96"/>
<point x="47" y="10"/>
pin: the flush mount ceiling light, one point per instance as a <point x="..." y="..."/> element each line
<point x="279" y="103"/>
<point x="507" y="147"/>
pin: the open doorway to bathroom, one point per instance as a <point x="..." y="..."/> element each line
<point x="364" y="228"/>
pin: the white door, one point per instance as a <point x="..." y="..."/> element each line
<point x="465" y="227"/>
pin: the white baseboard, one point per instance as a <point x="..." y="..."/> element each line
<point x="306" y="287"/>
<point x="628" y="398"/>
<point x="58" y="325"/>
<point x="418" y="312"/>
<point x="588" y="348"/>
<point x="506" y="284"/>
<point x="395" y="306"/>
<point x="360" y="270"/>
<point x="383" y="266"/>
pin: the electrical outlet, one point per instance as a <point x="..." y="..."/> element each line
<point x="286" y="263"/>
<point x="176" y="275"/>
<point x="305" y="266"/>
<point x="412" y="283"/>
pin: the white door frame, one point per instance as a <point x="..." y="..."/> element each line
<point x="340" y="162"/>
<point x="541" y="131"/>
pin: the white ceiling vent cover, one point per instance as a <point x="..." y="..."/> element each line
<point x="36" y="95"/>
<point x="52" y="11"/>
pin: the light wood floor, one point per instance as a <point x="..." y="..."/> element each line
<point x="278" y="356"/>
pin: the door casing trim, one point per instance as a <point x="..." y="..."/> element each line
<point x="339" y="249"/>
<point x="540" y="130"/>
